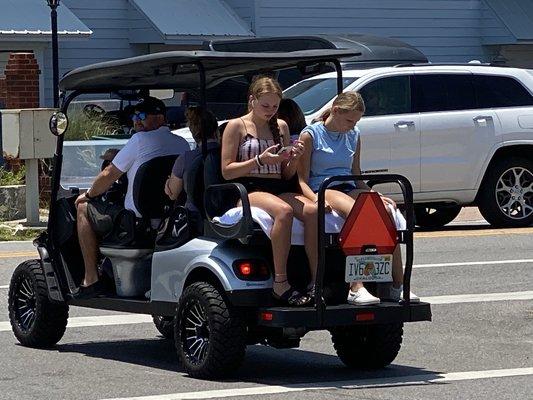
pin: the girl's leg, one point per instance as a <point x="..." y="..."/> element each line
<point x="280" y="234"/>
<point x="307" y="212"/>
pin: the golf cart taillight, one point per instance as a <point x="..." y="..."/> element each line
<point x="364" y="317"/>
<point x="368" y="228"/>
<point x="251" y="270"/>
<point x="267" y="316"/>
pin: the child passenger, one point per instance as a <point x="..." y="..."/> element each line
<point x="251" y="156"/>
<point x="333" y="147"/>
<point x="201" y="123"/>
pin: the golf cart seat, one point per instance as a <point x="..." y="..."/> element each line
<point x="152" y="202"/>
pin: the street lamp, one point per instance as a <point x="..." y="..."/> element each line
<point x="53" y="4"/>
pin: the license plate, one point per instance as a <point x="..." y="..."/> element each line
<point x="371" y="268"/>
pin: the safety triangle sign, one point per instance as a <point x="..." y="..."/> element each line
<point x="368" y="226"/>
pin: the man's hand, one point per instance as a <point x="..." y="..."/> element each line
<point x="81" y="199"/>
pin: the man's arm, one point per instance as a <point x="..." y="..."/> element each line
<point x="103" y="181"/>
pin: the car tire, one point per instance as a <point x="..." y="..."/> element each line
<point x="428" y="216"/>
<point x="165" y="326"/>
<point x="506" y="195"/>
<point x="210" y="337"/>
<point x="35" y="320"/>
<point x="368" y="346"/>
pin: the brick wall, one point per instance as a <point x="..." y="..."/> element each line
<point x="22" y="81"/>
<point x="3" y="91"/>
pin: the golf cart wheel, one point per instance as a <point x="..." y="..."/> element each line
<point x="368" y="346"/>
<point x="210" y="339"/>
<point x="506" y="195"/>
<point x="165" y="326"/>
<point x="35" y="320"/>
<point x="427" y="216"/>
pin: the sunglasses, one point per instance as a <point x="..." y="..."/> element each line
<point x="140" y="116"/>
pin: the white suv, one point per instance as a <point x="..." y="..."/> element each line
<point x="462" y="134"/>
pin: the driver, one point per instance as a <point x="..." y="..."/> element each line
<point x="95" y="216"/>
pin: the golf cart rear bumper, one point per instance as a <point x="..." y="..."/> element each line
<point x="343" y="315"/>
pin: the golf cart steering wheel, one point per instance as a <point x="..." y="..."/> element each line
<point x="93" y="110"/>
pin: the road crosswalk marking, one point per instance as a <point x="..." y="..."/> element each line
<point x="408" y="380"/>
<point x="125" y="319"/>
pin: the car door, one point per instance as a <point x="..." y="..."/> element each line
<point x="390" y="132"/>
<point x="454" y="130"/>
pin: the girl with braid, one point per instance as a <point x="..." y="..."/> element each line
<point x="256" y="153"/>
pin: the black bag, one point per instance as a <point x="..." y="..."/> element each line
<point x="124" y="227"/>
<point x="176" y="229"/>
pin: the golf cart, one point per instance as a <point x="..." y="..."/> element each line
<point x="209" y="284"/>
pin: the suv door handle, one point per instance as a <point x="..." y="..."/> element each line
<point x="482" y="118"/>
<point x="404" y="124"/>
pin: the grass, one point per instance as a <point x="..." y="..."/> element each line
<point x="81" y="127"/>
<point x="8" y="178"/>
<point x="18" y="232"/>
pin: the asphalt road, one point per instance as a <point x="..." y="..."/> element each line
<point x="477" y="347"/>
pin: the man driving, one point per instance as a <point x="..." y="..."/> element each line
<point x="94" y="216"/>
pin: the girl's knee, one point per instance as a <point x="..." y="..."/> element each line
<point x="310" y="212"/>
<point x="284" y="212"/>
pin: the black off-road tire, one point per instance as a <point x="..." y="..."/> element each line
<point x="487" y="198"/>
<point x="35" y="320"/>
<point x="224" y="330"/>
<point x="427" y="216"/>
<point x="165" y="326"/>
<point x="368" y="346"/>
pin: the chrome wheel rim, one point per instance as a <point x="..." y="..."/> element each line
<point x="25" y="303"/>
<point x="514" y="193"/>
<point x="195" y="332"/>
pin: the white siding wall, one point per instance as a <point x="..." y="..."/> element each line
<point x="444" y="30"/>
<point x="108" y="19"/>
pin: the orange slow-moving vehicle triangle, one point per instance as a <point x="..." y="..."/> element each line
<point x="368" y="225"/>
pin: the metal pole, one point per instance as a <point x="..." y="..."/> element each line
<point x="55" y="65"/>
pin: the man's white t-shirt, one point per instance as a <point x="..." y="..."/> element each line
<point x="142" y="147"/>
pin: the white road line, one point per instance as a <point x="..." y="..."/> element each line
<point x="4" y="287"/>
<point x="125" y="319"/>
<point x="526" y="261"/>
<point x="479" y="298"/>
<point x="351" y="384"/>
<point x="103" y="320"/>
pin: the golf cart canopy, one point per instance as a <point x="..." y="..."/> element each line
<point x="182" y="69"/>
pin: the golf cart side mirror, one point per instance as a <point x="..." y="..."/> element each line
<point x="58" y="123"/>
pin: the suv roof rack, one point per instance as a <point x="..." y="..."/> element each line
<point x="476" y="64"/>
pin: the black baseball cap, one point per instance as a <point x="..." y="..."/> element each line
<point x="151" y="105"/>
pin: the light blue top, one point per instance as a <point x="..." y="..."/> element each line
<point x="332" y="153"/>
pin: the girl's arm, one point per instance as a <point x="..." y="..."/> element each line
<point x="304" y="166"/>
<point x="356" y="166"/>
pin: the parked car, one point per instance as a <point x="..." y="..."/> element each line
<point x="462" y="134"/>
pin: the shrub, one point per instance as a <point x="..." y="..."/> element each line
<point x="8" y="178"/>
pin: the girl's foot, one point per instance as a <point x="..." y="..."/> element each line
<point x="361" y="297"/>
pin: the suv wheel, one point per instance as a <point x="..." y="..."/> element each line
<point x="368" y="346"/>
<point x="35" y="320"/>
<point x="506" y="196"/>
<point x="428" y="216"/>
<point x="165" y="326"/>
<point x="210" y="339"/>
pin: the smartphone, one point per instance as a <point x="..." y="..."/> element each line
<point x="284" y="150"/>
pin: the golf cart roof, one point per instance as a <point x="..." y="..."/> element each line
<point x="180" y="69"/>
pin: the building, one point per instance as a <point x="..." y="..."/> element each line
<point x="100" y="30"/>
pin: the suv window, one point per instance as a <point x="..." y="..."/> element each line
<point x="387" y="96"/>
<point x="500" y="91"/>
<point x="312" y="94"/>
<point x="444" y="92"/>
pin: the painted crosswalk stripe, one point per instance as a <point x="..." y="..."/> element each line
<point x="461" y="264"/>
<point x="408" y="380"/>
<point x="103" y="320"/>
<point x="125" y="319"/>
<point x="4" y="287"/>
<point x="479" y="298"/>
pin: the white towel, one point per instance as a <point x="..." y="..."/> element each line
<point x="334" y="222"/>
